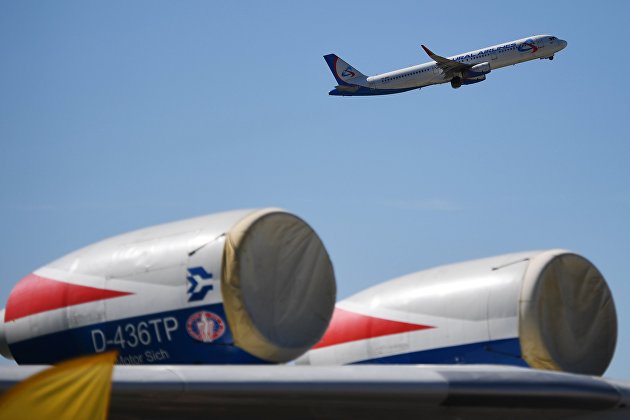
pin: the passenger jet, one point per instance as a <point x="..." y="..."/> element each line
<point x="462" y="69"/>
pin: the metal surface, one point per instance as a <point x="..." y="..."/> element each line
<point x="157" y="295"/>
<point x="546" y="309"/>
<point x="438" y="392"/>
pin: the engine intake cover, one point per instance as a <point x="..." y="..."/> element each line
<point x="567" y="315"/>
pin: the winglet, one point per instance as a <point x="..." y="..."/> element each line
<point x="438" y="58"/>
<point x="428" y="51"/>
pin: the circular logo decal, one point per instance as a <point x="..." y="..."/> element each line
<point x="205" y="326"/>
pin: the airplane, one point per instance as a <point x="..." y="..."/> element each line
<point x="461" y="69"/>
<point x="186" y="303"/>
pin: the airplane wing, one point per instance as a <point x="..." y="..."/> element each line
<point x="448" y="66"/>
<point x="466" y="392"/>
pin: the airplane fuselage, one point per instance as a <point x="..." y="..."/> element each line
<point x="431" y="73"/>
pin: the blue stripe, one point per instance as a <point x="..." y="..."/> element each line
<point x="364" y="91"/>
<point x="498" y="352"/>
<point x="161" y="338"/>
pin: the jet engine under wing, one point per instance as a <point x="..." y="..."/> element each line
<point x="367" y="391"/>
<point x="447" y="65"/>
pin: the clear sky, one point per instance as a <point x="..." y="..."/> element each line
<point x="119" y="115"/>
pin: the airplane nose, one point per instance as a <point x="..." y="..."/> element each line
<point x="563" y="43"/>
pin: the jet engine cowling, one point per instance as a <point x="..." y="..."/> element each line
<point x="473" y="81"/>
<point x="544" y="309"/>
<point x="249" y="286"/>
<point x="475" y="74"/>
<point x="477" y="71"/>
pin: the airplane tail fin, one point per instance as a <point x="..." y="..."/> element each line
<point x="345" y="74"/>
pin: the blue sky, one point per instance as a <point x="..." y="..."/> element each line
<point x="120" y="115"/>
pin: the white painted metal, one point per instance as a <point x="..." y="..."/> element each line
<point x="436" y="392"/>
<point x="151" y="265"/>
<point x="499" y="56"/>
<point x="487" y="300"/>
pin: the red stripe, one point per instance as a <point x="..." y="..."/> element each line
<point x="348" y="326"/>
<point x="335" y="67"/>
<point x="34" y="294"/>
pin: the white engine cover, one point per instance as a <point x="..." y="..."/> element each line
<point x="246" y="286"/>
<point x="544" y="309"/>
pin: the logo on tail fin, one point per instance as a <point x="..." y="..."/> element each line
<point x="349" y="72"/>
<point x="344" y="73"/>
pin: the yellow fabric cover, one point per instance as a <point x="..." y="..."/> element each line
<point x="76" y="389"/>
<point x="278" y="285"/>
<point x="567" y="320"/>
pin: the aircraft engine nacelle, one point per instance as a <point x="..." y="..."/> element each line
<point x="473" y="81"/>
<point x="547" y="309"/>
<point x="475" y="74"/>
<point x="477" y="71"/>
<point x="249" y="286"/>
